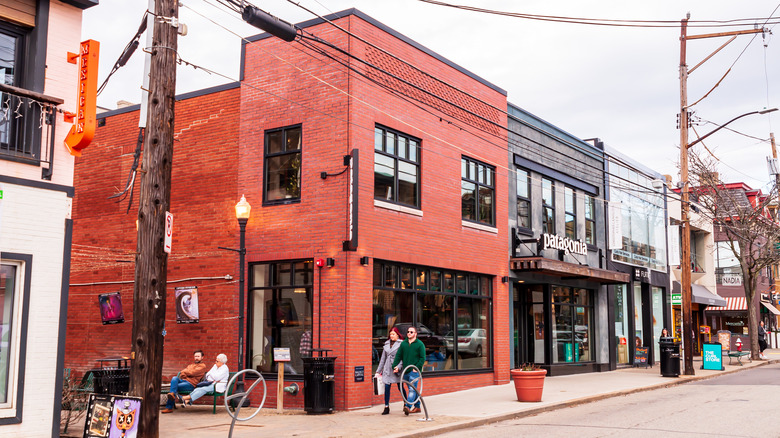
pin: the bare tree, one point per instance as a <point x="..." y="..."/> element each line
<point x="745" y="224"/>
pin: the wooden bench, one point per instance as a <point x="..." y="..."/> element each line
<point x="739" y="355"/>
<point x="214" y="394"/>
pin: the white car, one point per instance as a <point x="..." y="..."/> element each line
<point x="470" y="341"/>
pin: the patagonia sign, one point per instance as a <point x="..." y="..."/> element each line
<point x="553" y="241"/>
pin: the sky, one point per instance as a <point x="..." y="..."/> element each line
<point x="620" y="84"/>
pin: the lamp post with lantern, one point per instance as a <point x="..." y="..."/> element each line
<point x="242" y="214"/>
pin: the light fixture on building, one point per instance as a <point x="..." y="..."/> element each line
<point x="329" y="262"/>
<point x="364" y="261"/>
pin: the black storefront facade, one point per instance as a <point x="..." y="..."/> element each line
<point x="559" y="300"/>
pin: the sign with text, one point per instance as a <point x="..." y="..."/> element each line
<point x="281" y="354"/>
<point x="642" y="275"/>
<point x="83" y="129"/>
<point x="112" y="416"/>
<point x="712" y="356"/>
<point x="615" y="225"/>
<point x="640" y="356"/>
<point x="360" y="373"/>
<point x="554" y="241"/>
<point x="168" y="232"/>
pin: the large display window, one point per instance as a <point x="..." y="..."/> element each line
<point x="451" y="310"/>
<point x="572" y="331"/>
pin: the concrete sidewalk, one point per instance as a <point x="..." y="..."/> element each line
<point x="448" y="412"/>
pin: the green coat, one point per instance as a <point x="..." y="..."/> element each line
<point x="411" y="354"/>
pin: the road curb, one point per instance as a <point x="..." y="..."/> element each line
<point x="466" y="424"/>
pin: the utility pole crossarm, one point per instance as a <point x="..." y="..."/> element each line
<point x="723" y="34"/>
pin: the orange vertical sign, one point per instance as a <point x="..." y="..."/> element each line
<point x="83" y="128"/>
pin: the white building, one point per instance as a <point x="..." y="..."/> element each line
<point x="37" y="83"/>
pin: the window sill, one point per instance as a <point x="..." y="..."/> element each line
<point x="398" y="208"/>
<point x="480" y="227"/>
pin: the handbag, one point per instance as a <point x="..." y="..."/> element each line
<point x="203" y="383"/>
<point x="379" y="385"/>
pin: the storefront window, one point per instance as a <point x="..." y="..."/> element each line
<point x="658" y="319"/>
<point x="572" y="330"/>
<point x="621" y="323"/>
<point x="453" y="323"/>
<point x="280" y="299"/>
<point x="638" y="338"/>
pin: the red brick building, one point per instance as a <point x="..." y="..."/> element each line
<point x="364" y="150"/>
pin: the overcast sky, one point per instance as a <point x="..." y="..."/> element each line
<point x="615" y="83"/>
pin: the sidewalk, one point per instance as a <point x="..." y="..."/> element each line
<point x="457" y="410"/>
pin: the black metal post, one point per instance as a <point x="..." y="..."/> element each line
<point x="241" y="259"/>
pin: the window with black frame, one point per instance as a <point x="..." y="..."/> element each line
<point x="590" y="220"/>
<point x="572" y="334"/>
<point x="548" y="206"/>
<point x="280" y="309"/>
<point x="282" y="182"/>
<point x="18" y="118"/>
<point x="477" y="191"/>
<point x="570" y="205"/>
<point x="523" y="199"/>
<point x="396" y="167"/>
<point x="450" y="309"/>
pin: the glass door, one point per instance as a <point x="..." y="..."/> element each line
<point x="621" y="323"/>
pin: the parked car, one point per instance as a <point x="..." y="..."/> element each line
<point x="470" y="341"/>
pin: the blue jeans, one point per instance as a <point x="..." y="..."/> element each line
<point x="387" y="392"/>
<point x="200" y="391"/>
<point x="411" y="375"/>
<point x="176" y="385"/>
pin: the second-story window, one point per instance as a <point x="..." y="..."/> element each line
<point x="570" y="206"/>
<point x="282" y="165"/>
<point x="590" y="220"/>
<point x="13" y="139"/>
<point x="477" y="191"/>
<point x="523" y="199"/>
<point x="396" y="167"/>
<point x="548" y="206"/>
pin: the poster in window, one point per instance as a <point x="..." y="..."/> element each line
<point x="187" y="305"/>
<point x="111" y="308"/>
<point x="110" y="416"/>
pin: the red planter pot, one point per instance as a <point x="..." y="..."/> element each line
<point x="528" y="384"/>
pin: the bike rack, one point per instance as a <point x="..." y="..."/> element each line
<point x="417" y="390"/>
<point x="244" y="396"/>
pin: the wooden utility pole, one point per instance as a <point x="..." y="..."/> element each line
<point x="151" y="262"/>
<point x="688" y="331"/>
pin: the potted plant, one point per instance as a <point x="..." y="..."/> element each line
<point x="529" y="382"/>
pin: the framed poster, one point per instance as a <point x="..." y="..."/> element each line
<point x="111" y="308"/>
<point x="110" y="416"/>
<point x="187" y="305"/>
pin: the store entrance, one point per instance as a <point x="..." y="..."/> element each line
<point x="529" y="326"/>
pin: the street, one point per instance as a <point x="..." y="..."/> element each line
<point x="741" y="404"/>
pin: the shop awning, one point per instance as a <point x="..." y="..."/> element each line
<point x="732" y="303"/>
<point x="567" y="270"/>
<point x="771" y="308"/>
<point x="701" y="295"/>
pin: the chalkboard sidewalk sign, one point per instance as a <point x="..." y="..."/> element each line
<point x="640" y="356"/>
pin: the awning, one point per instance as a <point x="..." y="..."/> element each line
<point x="701" y="295"/>
<point x="771" y="308"/>
<point x="732" y="303"/>
<point x="567" y="270"/>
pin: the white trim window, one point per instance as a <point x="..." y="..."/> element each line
<point x="11" y="282"/>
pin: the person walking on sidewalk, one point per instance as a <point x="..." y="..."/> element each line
<point x="185" y="381"/>
<point x="761" y="340"/>
<point x="385" y="368"/>
<point x="411" y="352"/>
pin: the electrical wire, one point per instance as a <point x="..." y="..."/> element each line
<point x="127" y="52"/>
<point x="608" y="22"/>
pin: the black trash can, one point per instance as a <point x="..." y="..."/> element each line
<point x="670" y="356"/>
<point x="319" y="385"/>
<point x="111" y="380"/>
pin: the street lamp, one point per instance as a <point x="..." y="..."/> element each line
<point x="242" y="214"/>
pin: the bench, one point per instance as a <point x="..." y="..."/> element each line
<point x="739" y="355"/>
<point x="213" y="394"/>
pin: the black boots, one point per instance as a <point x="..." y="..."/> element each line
<point x="386" y="411"/>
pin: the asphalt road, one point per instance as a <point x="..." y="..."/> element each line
<point x="743" y="404"/>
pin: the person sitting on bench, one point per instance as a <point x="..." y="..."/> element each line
<point x="186" y="380"/>
<point x="215" y="381"/>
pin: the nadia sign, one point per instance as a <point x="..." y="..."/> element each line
<point x="564" y="244"/>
